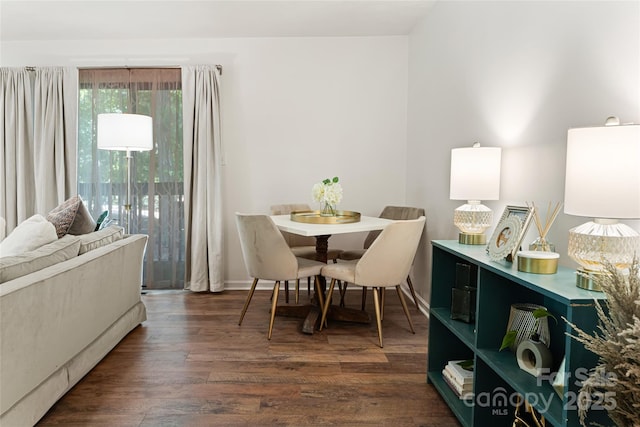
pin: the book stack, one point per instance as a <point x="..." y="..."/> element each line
<point x="459" y="376"/>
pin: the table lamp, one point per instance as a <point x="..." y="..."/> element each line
<point x="125" y="132"/>
<point x="475" y="176"/>
<point x="602" y="181"/>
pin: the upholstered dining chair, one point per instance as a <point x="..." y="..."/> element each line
<point x="268" y="257"/>
<point x="386" y="263"/>
<point x="389" y="212"/>
<point x="302" y="246"/>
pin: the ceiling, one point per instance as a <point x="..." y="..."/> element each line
<point x="99" y="19"/>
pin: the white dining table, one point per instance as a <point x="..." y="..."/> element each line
<point x="322" y="232"/>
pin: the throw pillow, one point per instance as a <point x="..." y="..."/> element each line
<point x="71" y="217"/>
<point x="101" y="220"/>
<point x="27" y="236"/>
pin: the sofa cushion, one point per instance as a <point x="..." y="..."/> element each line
<point x="72" y="217"/>
<point x="47" y="255"/>
<point x="96" y="239"/>
<point x="27" y="236"/>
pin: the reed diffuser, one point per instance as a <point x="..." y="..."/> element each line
<point x="542" y="243"/>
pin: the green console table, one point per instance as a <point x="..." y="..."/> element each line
<point x="497" y="377"/>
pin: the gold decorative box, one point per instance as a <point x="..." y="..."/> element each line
<point x="538" y="262"/>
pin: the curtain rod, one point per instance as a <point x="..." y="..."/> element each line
<point x="218" y="67"/>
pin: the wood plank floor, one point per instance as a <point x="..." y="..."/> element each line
<point x="190" y="364"/>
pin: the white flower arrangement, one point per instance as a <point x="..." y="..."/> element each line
<point x="328" y="193"/>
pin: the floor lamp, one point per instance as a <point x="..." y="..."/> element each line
<point x="125" y="132"/>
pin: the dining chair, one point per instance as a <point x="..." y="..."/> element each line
<point x="389" y="212"/>
<point x="268" y="257"/>
<point x="385" y="263"/>
<point x="301" y="246"/>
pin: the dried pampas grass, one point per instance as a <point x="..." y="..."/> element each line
<point x="617" y="344"/>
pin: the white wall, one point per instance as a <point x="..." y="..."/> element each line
<point x="514" y="75"/>
<point x="295" y="111"/>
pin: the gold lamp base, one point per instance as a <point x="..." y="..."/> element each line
<point x="588" y="280"/>
<point x="472" y="238"/>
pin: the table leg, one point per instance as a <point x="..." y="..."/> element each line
<point x="312" y="313"/>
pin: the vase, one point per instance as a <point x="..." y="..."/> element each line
<point x="328" y="209"/>
<point x="534" y="357"/>
<point x="542" y="244"/>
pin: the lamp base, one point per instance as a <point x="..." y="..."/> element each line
<point x="588" y="280"/>
<point x="472" y="238"/>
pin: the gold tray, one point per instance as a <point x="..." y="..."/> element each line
<point x="314" y="217"/>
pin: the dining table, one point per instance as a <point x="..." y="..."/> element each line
<point x="322" y="232"/>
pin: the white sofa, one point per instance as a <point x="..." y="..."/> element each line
<point x="58" y="322"/>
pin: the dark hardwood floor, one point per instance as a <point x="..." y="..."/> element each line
<point x="190" y="364"/>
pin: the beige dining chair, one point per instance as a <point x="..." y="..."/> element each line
<point x="389" y="212"/>
<point x="302" y="246"/>
<point x="268" y="257"/>
<point x="386" y="263"/>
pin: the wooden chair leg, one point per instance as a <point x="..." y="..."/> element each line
<point x="320" y="297"/>
<point x="325" y="307"/>
<point x="309" y="286"/>
<point x="246" y="303"/>
<point x="343" y="292"/>
<point x="364" y="297"/>
<point x="376" y="303"/>
<point x="274" y="303"/>
<point x="297" y="291"/>
<point x="413" y="293"/>
<point x="404" y="307"/>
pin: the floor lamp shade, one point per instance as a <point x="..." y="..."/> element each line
<point x="125" y="132"/>
<point x="475" y="176"/>
<point x="603" y="182"/>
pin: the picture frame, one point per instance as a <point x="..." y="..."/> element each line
<point x="507" y="237"/>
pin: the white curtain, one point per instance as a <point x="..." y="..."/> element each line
<point x="202" y="176"/>
<point x="38" y="128"/>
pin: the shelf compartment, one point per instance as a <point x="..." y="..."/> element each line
<point x="464" y="331"/>
<point x="505" y="365"/>
<point x="462" y="411"/>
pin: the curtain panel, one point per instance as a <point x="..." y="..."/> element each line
<point x="202" y="179"/>
<point x="38" y="127"/>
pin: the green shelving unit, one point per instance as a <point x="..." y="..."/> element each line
<point x="497" y="377"/>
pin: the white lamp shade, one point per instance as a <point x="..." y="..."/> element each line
<point x="475" y="173"/>
<point x="603" y="172"/>
<point x="125" y="132"/>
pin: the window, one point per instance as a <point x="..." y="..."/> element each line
<point x="157" y="180"/>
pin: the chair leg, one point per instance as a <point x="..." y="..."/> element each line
<point x="413" y="292"/>
<point x="318" y="289"/>
<point x="246" y="303"/>
<point x="309" y="286"/>
<point x="404" y="307"/>
<point x="286" y="291"/>
<point x="343" y="292"/>
<point x="364" y="297"/>
<point x="274" y="303"/>
<point x="325" y="307"/>
<point x="316" y="281"/>
<point x="376" y="303"/>
<point x="297" y="291"/>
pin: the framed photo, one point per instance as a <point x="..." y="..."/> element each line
<point x="510" y="231"/>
